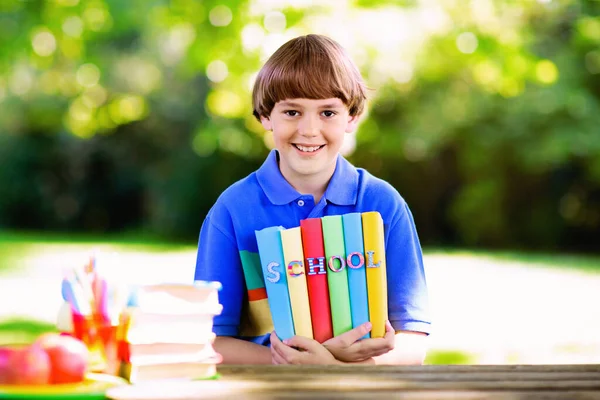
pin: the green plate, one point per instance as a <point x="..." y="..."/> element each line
<point x="93" y="387"/>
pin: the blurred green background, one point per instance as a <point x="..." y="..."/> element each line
<point x="129" y="118"/>
<point x="135" y="115"/>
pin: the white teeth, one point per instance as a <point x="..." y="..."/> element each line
<point x="308" y="149"/>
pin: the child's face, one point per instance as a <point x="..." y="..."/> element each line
<point x="308" y="135"/>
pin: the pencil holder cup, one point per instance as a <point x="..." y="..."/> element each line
<point x="100" y="336"/>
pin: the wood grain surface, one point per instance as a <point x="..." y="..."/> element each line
<point x="497" y="382"/>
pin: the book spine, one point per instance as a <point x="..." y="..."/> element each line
<point x="316" y="278"/>
<point x="355" y="262"/>
<point x="293" y="256"/>
<point x="337" y="274"/>
<point x="273" y="267"/>
<point x="376" y="271"/>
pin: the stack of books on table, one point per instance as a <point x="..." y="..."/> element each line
<point x="168" y="334"/>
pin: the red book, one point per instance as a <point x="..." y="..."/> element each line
<point x="316" y="278"/>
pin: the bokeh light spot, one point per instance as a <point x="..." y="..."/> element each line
<point x="274" y="21"/>
<point x="415" y="149"/>
<point x="403" y="72"/>
<point x="592" y="62"/>
<point x="220" y="15"/>
<point x="127" y="108"/>
<point x="546" y="72"/>
<point x="44" y="43"/>
<point x="21" y="81"/>
<point x="88" y="75"/>
<point x="96" y="18"/>
<point x="252" y="36"/>
<point x="217" y="71"/>
<point x="225" y="103"/>
<point x="132" y="107"/>
<point x="235" y="141"/>
<point x="467" y="42"/>
<point x="589" y="27"/>
<point x="95" y="96"/>
<point x="80" y="111"/>
<point x="73" y="26"/>
<point x="204" y="144"/>
<point x="510" y="87"/>
<point x="486" y="73"/>
<point x="175" y="43"/>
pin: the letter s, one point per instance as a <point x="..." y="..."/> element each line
<point x="274" y="274"/>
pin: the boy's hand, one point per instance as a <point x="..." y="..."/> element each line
<point x="299" y="350"/>
<point x="348" y="348"/>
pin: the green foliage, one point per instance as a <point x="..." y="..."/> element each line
<point x="22" y="331"/>
<point x="506" y="135"/>
<point x="136" y="115"/>
<point x="449" y="357"/>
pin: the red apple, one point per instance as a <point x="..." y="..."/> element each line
<point x="28" y="366"/>
<point x="5" y="354"/>
<point x="69" y="357"/>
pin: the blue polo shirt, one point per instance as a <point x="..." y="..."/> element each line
<point x="228" y="252"/>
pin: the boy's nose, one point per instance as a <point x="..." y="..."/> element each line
<point x="309" y="126"/>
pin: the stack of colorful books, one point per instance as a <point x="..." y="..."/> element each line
<point x="326" y="276"/>
<point x="168" y="334"/>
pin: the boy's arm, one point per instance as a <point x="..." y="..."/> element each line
<point x="237" y="351"/>
<point x="395" y="348"/>
<point x="218" y="260"/>
<point x="408" y="300"/>
<point x="410" y="348"/>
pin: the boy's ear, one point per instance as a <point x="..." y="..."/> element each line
<point x="352" y="123"/>
<point x="266" y="123"/>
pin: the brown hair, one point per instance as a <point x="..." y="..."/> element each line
<point x="310" y="67"/>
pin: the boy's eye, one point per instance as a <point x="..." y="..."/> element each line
<point x="291" y="113"/>
<point x="328" y="113"/>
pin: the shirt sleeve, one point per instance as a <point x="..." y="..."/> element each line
<point x="218" y="260"/>
<point x="407" y="287"/>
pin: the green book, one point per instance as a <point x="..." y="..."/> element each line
<point x="337" y="274"/>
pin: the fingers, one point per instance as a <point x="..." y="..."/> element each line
<point x="276" y="358"/>
<point x="347" y="346"/>
<point x="390" y="332"/>
<point x="301" y="343"/>
<point x="374" y="347"/>
<point x="277" y="345"/>
<point x="346" y="339"/>
<point x="282" y="353"/>
<point x="378" y="346"/>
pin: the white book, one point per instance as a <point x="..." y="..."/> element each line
<point x="172" y="298"/>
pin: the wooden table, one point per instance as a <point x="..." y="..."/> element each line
<point x="531" y="382"/>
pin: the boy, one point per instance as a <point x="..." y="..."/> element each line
<point x="309" y="94"/>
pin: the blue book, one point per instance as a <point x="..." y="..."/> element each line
<point x="272" y="262"/>
<point x="355" y="264"/>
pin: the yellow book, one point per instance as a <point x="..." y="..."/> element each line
<point x="293" y="255"/>
<point x="372" y="224"/>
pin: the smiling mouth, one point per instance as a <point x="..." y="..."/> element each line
<point x="308" y="149"/>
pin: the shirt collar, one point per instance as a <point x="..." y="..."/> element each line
<point x="342" y="189"/>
